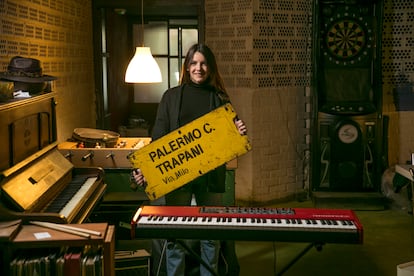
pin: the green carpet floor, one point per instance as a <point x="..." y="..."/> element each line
<point x="388" y="242"/>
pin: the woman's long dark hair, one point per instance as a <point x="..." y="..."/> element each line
<point x="214" y="79"/>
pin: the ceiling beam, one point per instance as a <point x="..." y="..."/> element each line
<point x="154" y="7"/>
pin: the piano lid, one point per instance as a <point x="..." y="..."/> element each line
<point x="37" y="181"/>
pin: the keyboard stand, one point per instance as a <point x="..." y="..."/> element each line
<point x="318" y="247"/>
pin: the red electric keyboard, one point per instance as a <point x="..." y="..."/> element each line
<point x="247" y="223"/>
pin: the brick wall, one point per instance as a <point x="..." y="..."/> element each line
<point x="263" y="53"/>
<point x="59" y="34"/>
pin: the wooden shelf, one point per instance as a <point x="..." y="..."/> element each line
<point x="26" y="238"/>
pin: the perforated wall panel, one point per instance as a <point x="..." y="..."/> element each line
<point x="261" y="43"/>
<point x="398" y="72"/>
<point x="59" y="34"/>
<point x="398" y="42"/>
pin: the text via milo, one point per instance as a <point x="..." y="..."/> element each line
<point x="190" y="151"/>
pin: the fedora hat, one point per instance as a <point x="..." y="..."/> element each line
<point x="23" y="69"/>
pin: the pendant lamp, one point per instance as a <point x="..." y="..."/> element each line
<point x="143" y="68"/>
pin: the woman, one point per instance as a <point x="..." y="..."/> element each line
<point x="201" y="90"/>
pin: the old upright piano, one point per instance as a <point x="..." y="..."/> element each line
<point x="37" y="182"/>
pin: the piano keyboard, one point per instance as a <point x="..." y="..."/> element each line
<point x="80" y="195"/>
<point x="73" y="196"/>
<point x="297" y="225"/>
<point x="37" y="176"/>
<point x="266" y="224"/>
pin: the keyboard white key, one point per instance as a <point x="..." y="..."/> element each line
<point x="247" y="223"/>
<point x="78" y="197"/>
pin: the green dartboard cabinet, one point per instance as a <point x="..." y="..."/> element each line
<point x="347" y="141"/>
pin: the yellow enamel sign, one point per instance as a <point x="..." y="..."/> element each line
<point x="190" y="151"/>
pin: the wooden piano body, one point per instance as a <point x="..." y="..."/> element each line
<point x="247" y="223"/>
<point x="37" y="182"/>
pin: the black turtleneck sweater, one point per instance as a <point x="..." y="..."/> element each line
<point x="195" y="102"/>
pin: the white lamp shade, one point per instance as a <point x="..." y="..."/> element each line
<point x="143" y="68"/>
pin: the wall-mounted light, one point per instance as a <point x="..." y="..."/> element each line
<point x="143" y="68"/>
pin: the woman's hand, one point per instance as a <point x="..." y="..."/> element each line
<point x="240" y="126"/>
<point x="137" y="178"/>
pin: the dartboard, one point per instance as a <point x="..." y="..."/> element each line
<point x="346" y="41"/>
